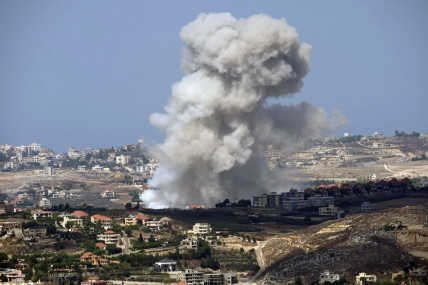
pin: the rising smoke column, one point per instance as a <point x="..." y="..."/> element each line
<point x="217" y="113"/>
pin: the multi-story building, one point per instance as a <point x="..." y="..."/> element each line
<point x="367" y="207"/>
<point x="360" y="278"/>
<point x="201" y="228"/>
<point x="327" y="276"/>
<point x="123" y="159"/>
<point x="109" y="237"/>
<point x="256" y="201"/>
<point x="75" y="222"/>
<point x="49" y="170"/>
<point x="74" y="154"/>
<point x="165" y="265"/>
<point x="37" y="214"/>
<point x="35" y="147"/>
<point x="214" y="279"/>
<point x="154" y="225"/>
<point x="34" y="232"/>
<point x="328" y="211"/>
<point x="132" y="220"/>
<point x="25" y="196"/>
<point x="12" y="275"/>
<point x="44" y="203"/>
<point x="189" y="243"/>
<point x="230" y="278"/>
<point x="7" y="226"/>
<point x="105" y="221"/>
<point x="191" y="277"/>
<point x="320" y="201"/>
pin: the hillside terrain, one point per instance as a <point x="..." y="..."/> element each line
<point x="350" y="161"/>
<point x="378" y="243"/>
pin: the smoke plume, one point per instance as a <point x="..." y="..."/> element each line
<point x="217" y="114"/>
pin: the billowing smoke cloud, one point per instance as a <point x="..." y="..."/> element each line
<point x="217" y="113"/>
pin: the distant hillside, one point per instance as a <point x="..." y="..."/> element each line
<point x="360" y="243"/>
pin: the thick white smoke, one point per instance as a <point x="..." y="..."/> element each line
<point x="217" y="113"/>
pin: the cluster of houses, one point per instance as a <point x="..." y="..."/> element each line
<point x="74" y="222"/>
<point x="362" y="278"/>
<point x="193" y="277"/>
<point x="42" y="199"/>
<point x="36" y="154"/>
<point x="323" y="197"/>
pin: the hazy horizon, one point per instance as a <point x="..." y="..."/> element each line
<point x="89" y="74"/>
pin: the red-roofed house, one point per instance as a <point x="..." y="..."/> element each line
<point x="18" y="201"/>
<point x="105" y="221"/>
<point x="79" y="214"/>
<point x="142" y="218"/>
<point x="309" y="191"/>
<point x="94" y="259"/>
<point x="132" y="220"/>
<point x="100" y="245"/>
<point x="406" y="180"/>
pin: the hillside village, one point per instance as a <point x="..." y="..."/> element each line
<point x="77" y="218"/>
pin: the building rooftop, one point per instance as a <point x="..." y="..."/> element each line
<point x="79" y="214"/>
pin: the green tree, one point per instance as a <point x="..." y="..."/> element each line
<point x="298" y="280"/>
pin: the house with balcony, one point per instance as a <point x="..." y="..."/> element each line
<point x="109" y="237"/>
<point x="165" y="265"/>
<point x="105" y="221"/>
<point x="201" y="228"/>
<point x="361" y="278"/>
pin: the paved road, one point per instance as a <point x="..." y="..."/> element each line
<point x="127" y="244"/>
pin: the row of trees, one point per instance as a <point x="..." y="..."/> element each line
<point x="404" y="134"/>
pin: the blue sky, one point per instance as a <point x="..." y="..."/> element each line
<point x="89" y="73"/>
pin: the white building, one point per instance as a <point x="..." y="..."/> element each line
<point x="377" y="135"/>
<point x="77" y="223"/>
<point x="327" y="276"/>
<point x="150" y="167"/>
<point x="109" y="237"/>
<point x="35" y="146"/>
<point x="49" y="170"/>
<point x="367" y="207"/>
<point x="108" y="194"/>
<point x="165" y="265"/>
<point x="154" y="225"/>
<point x="189" y="243"/>
<point x="100" y="168"/>
<point x="366" y="277"/>
<point x="328" y="211"/>
<point x="230" y="278"/>
<point x="73" y="153"/>
<point x="123" y="159"/>
<point x="201" y="228"/>
<point x="44" y="203"/>
<point x="25" y="196"/>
